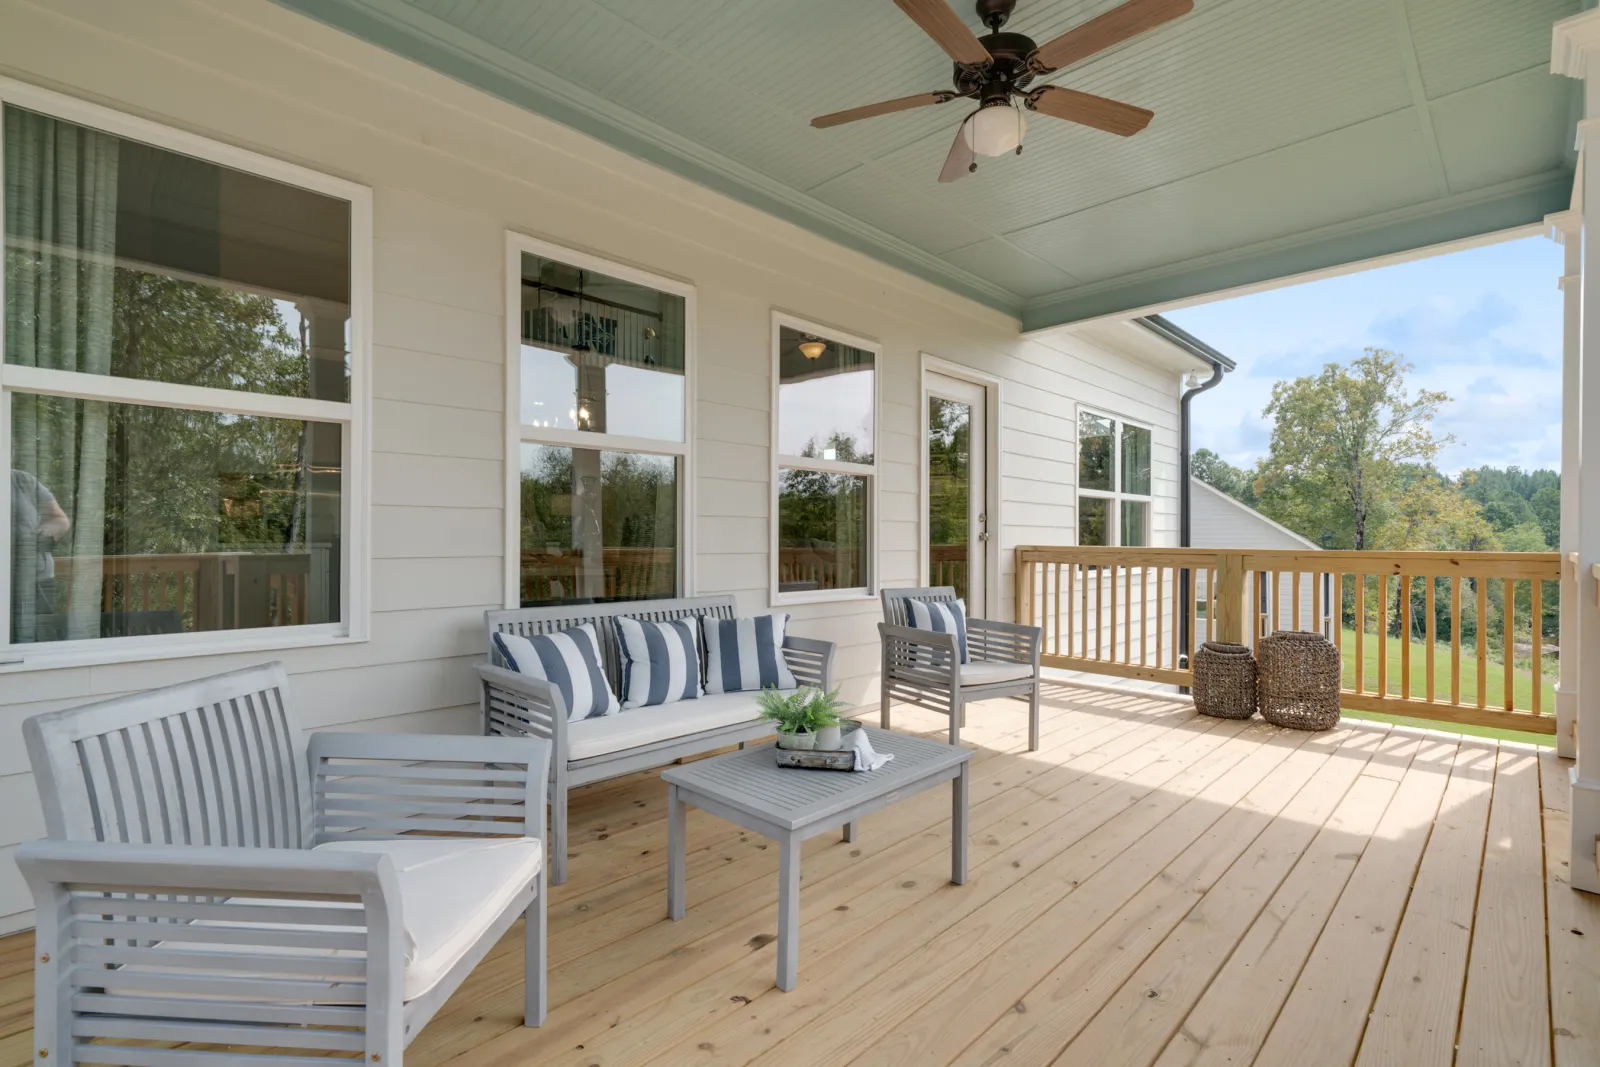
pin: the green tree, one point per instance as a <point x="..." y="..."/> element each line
<point x="1339" y="441"/>
<point x="1218" y="473"/>
<point x="1546" y="503"/>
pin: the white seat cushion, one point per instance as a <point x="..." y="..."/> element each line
<point x="452" y="890"/>
<point x="660" y="722"/>
<point x="979" y="673"/>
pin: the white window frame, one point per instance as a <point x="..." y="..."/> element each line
<point x="352" y="417"/>
<point x="1116" y="496"/>
<point x="518" y="433"/>
<point x="869" y="471"/>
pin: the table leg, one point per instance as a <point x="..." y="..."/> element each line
<point x="676" y="848"/>
<point x="958" y="827"/>
<point x="788" y="912"/>
<point x="849" y="832"/>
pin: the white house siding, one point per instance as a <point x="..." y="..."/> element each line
<point x="451" y="170"/>
<point x="1216" y="520"/>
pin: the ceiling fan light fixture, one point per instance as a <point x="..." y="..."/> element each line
<point x="995" y="130"/>
<point x="812" y="348"/>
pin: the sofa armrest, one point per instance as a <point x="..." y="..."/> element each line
<point x="925" y="657"/>
<point x="389" y="784"/>
<point x="515" y="705"/>
<point x="810" y="660"/>
<point x="1003" y="642"/>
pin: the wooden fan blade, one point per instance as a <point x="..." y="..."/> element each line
<point x="958" y="164"/>
<point x="947" y="30"/>
<point x="1113" y="116"/>
<point x="885" y="107"/>
<point x="1098" y="34"/>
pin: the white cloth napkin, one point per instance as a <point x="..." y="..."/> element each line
<point x="866" y="758"/>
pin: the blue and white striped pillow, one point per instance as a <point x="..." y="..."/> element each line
<point x="568" y="660"/>
<point x="660" y="661"/>
<point x="941" y="616"/>
<point x="744" y="654"/>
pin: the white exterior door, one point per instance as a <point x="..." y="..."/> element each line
<point x="956" y="527"/>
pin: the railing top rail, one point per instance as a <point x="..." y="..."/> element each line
<point x="1543" y="565"/>
<point x="1167" y="557"/>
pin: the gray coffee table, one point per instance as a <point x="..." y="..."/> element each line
<point x="790" y="805"/>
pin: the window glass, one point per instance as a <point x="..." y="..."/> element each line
<point x="822" y="531"/>
<point x="825" y="399"/>
<point x="1093" y="515"/>
<point x="597" y="525"/>
<point x="1095" y="447"/>
<point x="949" y="492"/>
<point x="1135" y="522"/>
<point x="1135" y="460"/>
<point x="129" y="260"/>
<point x="600" y="354"/>
<point x="134" y="520"/>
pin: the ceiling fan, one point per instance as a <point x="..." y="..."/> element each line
<point x="999" y="66"/>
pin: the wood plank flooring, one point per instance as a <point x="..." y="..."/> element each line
<point x="1150" y="888"/>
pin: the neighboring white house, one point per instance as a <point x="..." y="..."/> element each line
<point x="488" y="322"/>
<point x="1217" y="520"/>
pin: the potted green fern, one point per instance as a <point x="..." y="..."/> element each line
<point x="790" y="714"/>
<point x="822" y="712"/>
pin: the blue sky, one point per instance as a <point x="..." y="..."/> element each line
<point x="1483" y="326"/>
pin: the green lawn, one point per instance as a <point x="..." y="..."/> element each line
<point x="1494" y="689"/>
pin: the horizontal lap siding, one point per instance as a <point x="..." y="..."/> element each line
<point x="451" y="170"/>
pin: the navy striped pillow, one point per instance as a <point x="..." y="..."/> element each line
<point x="743" y="654"/>
<point x="568" y="660"/>
<point x="940" y="616"/>
<point x="660" y="661"/>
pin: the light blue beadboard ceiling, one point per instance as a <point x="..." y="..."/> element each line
<point x="1290" y="135"/>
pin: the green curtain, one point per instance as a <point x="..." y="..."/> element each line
<point x="60" y="227"/>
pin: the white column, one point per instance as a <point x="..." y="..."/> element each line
<point x="1575" y="52"/>
<point x="1566" y="229"/>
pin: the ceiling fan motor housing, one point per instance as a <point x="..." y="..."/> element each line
<point x="1010" y="66"/>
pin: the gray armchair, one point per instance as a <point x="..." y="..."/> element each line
<point x="924" y="668"/>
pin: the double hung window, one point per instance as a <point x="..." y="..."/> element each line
<point x="1113" y="481"/>
<point x="180" y="389"/>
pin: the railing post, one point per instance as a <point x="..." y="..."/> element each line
<point x="1024" y="597"/>
<point x="1231" y="608"/>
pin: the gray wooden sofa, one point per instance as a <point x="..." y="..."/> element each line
<point x="215" y="876"/>
<point x="592" y="750"/>
<point x="921" y="667"/>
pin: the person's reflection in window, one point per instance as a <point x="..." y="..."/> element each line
<point x="37" y="523"/>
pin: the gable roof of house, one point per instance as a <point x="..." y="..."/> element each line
<point x="1252" y="514"/>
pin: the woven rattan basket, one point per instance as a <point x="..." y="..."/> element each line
<point x="1224" y="681"/>
<point x="1299" y="680"/>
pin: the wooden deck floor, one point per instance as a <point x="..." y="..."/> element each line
<point x="1149" y="888"/>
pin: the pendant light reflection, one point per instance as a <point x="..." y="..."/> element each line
<point x="812" y="347"/>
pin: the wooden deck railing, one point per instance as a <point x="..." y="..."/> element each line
<point x="1456" y="637"/>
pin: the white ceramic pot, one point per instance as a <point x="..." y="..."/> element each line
<point x="799" y="742"/>
<point x="830" y="739"/>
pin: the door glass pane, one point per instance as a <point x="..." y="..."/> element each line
<point x="1135" y="523"/>
<point x="1135" y="460"/>
<point x="949" y="492"/>
<point x="129" y="520"/>
<point x="1095" y="448"/>
<point x="597" y="525"/>
<point x="825" y="399"/>
<point x="130" y="260"/>
<point x="599" y="353"/>
<point x="822" y="531"/>
<point x="1093" y="515"/>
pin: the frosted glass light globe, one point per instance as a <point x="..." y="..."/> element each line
<point x="994" y="131"/>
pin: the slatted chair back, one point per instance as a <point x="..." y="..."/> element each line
<point x="529" y="622"/>
<point x="220" y="761"/>
<point x="894" y="601"/>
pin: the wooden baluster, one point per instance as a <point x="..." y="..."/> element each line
<point x="1433" y="633"/>
<point x="1127" y="614"/>
<point x="1405" y="640"/>
<point x="1507" y="619"/>
<point x="1316" y="602"/>
<point x="1456" y="589"/>
<point x="1383" y="635"/>
<point x="1361" y="633"/>
<point x="1211" y="609"/>
<point x="1277" y="601"/>
<point x="1294" y="600"/>
<point x="1084" y="616"/>
<point x="1483" y="640"/>
<point x="1161" y="574"/>
<point x="1537" y="695"/>
<point x="1194" y="617"/>
<point x="1057" y="634"/>
<point x="1099" y="606"/>
<point x="1144" y="615"/>
<point x="1072" y="577"/>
